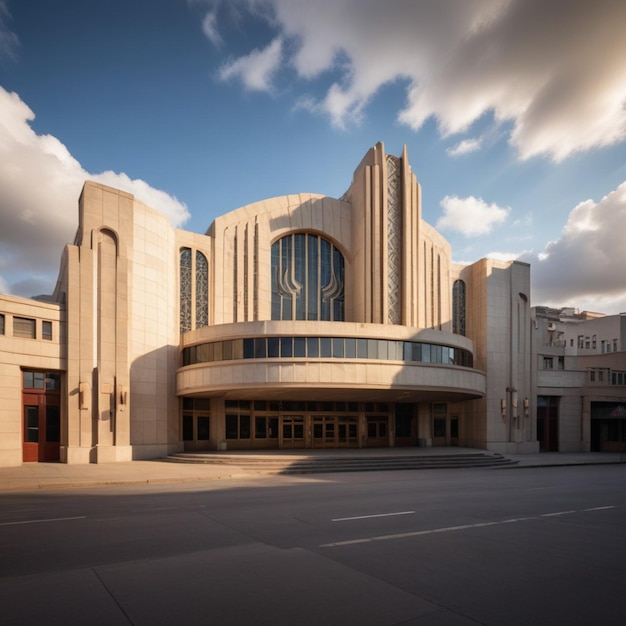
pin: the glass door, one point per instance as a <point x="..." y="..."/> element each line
<point x="292" y="433"/>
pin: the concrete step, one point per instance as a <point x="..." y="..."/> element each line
<point x="302" y="464"/>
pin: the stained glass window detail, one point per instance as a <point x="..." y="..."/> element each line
<point x="202" y="290"/>
<point x="185" y="290"/>
<point x="458" y="307"/>
<point x="307" y="279"/>
<point x="394" y="240"/>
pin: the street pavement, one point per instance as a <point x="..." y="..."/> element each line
<point x="418" y="548"/>
<point x="35" y="476"/>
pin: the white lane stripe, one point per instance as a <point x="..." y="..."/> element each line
<point x="347" y="519"/>
<point x="558" y="513"/>
<point x="39" y="521"/>
<point x="447" y="529"/>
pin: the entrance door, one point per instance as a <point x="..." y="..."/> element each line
<point x="330" y="431"/>
<point x="292" y="434"/>
<point x="377" y="431"/>
<point x="548" y="423"/>
<point x="42" y="427"/>
<point x="195" y="432"/>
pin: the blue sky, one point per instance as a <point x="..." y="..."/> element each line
<point x="513" y="112"/>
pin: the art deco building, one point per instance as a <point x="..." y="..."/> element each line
<point x="301" y="321"/>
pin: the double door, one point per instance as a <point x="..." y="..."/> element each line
<point x="318" y="431"/>
<point x="42" y="426"/>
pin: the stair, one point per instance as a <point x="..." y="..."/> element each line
<point x="303" y="464"/>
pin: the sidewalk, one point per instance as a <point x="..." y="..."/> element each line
<point x="35" y="476"/>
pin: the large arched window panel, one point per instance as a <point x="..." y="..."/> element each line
<point x="307" y="279"/>
<point x="202" y="290"/>
<point x="185" y="290"/>
<point x="194" y="290"/>
<point x="458" y="307"/>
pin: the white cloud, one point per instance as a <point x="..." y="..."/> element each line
<point x="257" y="69"/>
<point x="555" y="71"/>
<point x="9" y="42"/>
<point x="41" y="183"/>
<point x="585" y="266"/>
<point x="505" y="256"/>
<point x="470" y="216"/>
<point x="210" y="29"/>
<point x="464" y="147"/>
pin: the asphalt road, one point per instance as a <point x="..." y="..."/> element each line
<point x="442" y="547"/>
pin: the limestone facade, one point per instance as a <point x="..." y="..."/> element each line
<point x="299" y="321"/>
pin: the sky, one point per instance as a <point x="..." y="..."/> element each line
<point x="513" y="113"/>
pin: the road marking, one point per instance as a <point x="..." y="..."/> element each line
<point x="448" y="529"/>
<point x="347" y="519"/>
<point x="39" y="521"/>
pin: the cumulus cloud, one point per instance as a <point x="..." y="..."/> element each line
<point x="554" y="72"/>
<point x="257" y="68"/>
<point x="470" y="216"/>
<point x="585" y="266"/>
<point x="40" y="182"/>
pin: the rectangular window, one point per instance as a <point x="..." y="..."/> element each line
<point x="273" y="347"/>
<point x="338" y="348"/>
<point x="313" y="347"/>
<point x="581" y="341"/>
<point x="260" y="348"/>
<point x="614" y="345"/>
<point x="587" y="344"/>
<point x="361" y="348"/>
<point x="548" y="363"/>
<point x="350" y="348"/>
<point x="561" y="362"/>
<point x="594" y="342"/>
<point x="299" y="346"/>
<point x="31" y="434"/>
<point x="203" y="427"/>
<point x="33" y="380"/>
<point x="23" y="327"/>
<point x="46" y="330"/>
<point x="286" y="347"/>
<point x="1" y="323"/>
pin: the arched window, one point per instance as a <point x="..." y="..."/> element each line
<point x="458" y="307"/>
<point x="185" y="289"/>
<point x="202" y="290"/>
<point x="307" y="279"/>
<point x="194" y="290"/>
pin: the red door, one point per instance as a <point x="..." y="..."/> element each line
<point x="42" y="426"/>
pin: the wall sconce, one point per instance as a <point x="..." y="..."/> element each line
<point x="83" y="396"/>
<point x="526" y="407"/>
<point x="123" y="397"/>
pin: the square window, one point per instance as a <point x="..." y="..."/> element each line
<point x="23" y="327"/>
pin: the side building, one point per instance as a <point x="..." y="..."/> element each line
<point x="580" y="380"/>
<point x="296" y="322"/>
